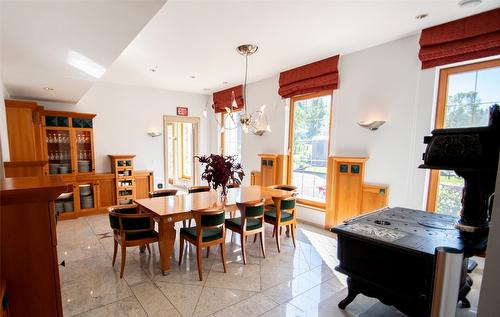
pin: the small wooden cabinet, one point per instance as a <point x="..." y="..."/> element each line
<point x="273" y="169"/>
<point x="123" y="168"/>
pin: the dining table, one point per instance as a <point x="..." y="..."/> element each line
<point x="169" y="210"/>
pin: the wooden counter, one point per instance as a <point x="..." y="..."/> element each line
<point x="28" y="244"/>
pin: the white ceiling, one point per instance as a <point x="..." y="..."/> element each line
<point x="65" y="45"/>
<point x="199" y="37"/>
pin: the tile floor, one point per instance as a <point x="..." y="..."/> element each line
<point x="295" y="282"/>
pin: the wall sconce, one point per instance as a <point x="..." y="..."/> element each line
<point x="371" y="125"/>
<point x="154" y="134"/>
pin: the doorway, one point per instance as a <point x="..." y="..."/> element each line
<point x="180" y="146"/>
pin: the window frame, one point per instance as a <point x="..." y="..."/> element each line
<point x="222" y="140"/>
<point x="311" y="203"/>
<point x="442" y="95"/>
<point x="183" y="176"/>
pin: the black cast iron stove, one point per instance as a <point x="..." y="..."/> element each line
<point x="390" y="254"/>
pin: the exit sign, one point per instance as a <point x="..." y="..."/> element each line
<point x="182" y="111"/>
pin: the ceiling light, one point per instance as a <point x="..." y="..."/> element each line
<point x="255" y="122"/>
<point x="421" y="16"/>
<point x="469" y="3"/>
<point x="225" y="82"/>
<point x="48" y="88"/>
<point x="192" y="76"/>
<point x="154" y="68"/>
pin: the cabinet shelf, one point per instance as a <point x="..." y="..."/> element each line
<point x="119" y="165"/>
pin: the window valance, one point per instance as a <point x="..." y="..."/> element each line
<point x="313" y="77"/>
<point x="460" y="40"/>
<point x="223" y="99"/>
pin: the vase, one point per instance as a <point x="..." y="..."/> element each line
<point x="223" y="191"/>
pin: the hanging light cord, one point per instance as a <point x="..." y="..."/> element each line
<point x="245" y="83"/>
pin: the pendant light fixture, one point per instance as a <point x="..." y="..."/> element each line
<point x="255" y="122"/>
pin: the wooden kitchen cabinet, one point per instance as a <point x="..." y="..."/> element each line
<point x="24" y="127"/>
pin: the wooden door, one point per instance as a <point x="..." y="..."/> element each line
<point x="107" y="192"/>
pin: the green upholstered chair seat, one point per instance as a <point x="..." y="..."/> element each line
<point x="285" y="216"/>
<point x="252" y="224"/>
<point x="140" y="235"/>
<point x="208" y="234"/>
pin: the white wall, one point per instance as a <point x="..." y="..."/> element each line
<point x="126" y="113"/>
<point x="4" y="137"/>
<point x="383" y="82"/>
<point x="259" y="93"/>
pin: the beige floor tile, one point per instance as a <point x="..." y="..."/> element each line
<point x="238" y="276"/>
<point x="90" y="283"/>
<point x="183" y="297"/>
<point x="128" y="307"/>
<point x="251" y="307"/>
<point x="75" y="249"/>
<point x="154" y="301"/>
<point x="214" y="299"/>
<point x="273" y="275"/>
<point x="284" y="310"/>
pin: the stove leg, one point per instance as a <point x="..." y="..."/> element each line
<point x="352" y="292"/>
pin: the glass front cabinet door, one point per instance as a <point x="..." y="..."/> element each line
<point x="70" y="143"/>
<point x="59" y="150"/>
<point x="84" y="152"/>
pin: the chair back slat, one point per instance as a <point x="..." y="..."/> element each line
<point x="163" y="193"/>
<point x="287" y="204"/>
<point x="198" y="189"/>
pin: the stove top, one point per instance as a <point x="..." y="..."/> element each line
<point x="408" y="228"/>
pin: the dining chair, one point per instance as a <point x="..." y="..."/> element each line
<point x="130" y="229"/>
<point x="282" y="214"/>
<point x="163" y="193"/>
<point x="251" y="222"/>
<point x="198" y="189"/>
<point x="209" y="231"/>
<point x="192" y="190"/>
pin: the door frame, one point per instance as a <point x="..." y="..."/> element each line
<point x="195" y="121"/>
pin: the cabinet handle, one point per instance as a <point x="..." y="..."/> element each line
<point x="63" y="263"/>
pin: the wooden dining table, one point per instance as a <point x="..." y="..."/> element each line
<point x="171" y="209"/>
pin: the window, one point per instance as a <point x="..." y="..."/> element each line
<point x="464" y="97"/>
<point x="170" y="153"/>
<point x="309" y="141"/>
<point x="231" y="137"/>
<point x="186" y="149"/>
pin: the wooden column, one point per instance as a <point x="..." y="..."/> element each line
<point x="29" y="263"/>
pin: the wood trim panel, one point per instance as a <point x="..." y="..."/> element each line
<point x="25" y="168"/>
<point x="374" y="197"/>
<point x="440" y="116"/>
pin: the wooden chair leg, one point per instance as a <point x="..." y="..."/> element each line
<point x="190" y="222"/>
<point x="149" y="249"/>
<point x="124" y="257"/>
<point x="243" y="248"/>
<point x="287" y="232"/>
<point x="199" y="257"/>
<point x="254" y="238"/>
<point x="208" y="251"/>
<point x="292" y="229"/>
<point x="181" y="249"/>
<point x="278" y="240"/>
<point x="223" y="255"/>
<point x="262" y="243"/>
<point x="274" y="231"/>
<point x="115" y="250"/>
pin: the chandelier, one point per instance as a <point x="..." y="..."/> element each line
<point x="255" y="122"/>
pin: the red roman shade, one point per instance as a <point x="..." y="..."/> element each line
<point x="314" y="77"/>
<point x="461" y="40"/>
<point x="223" y="99"/>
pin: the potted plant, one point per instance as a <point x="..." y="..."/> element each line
<point x="219" y="170"/>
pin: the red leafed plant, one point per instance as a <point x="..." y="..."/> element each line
<point x="219" y="170"/>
